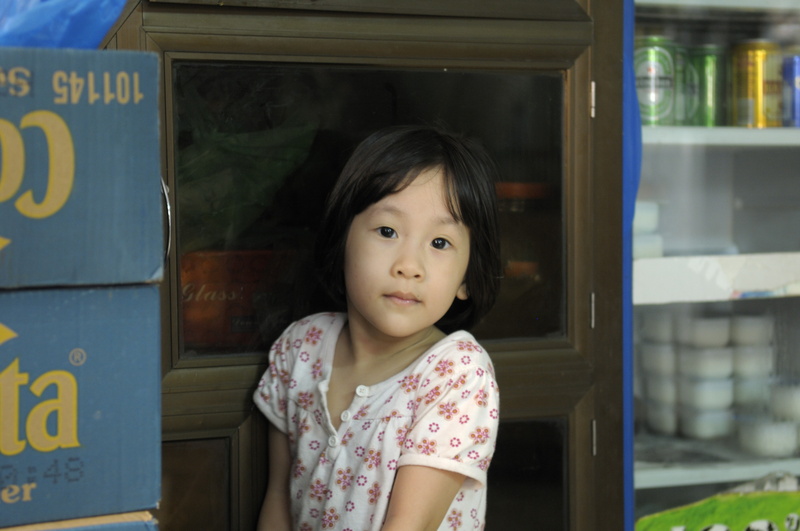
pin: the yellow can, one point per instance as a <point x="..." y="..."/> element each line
<point x="756" y="84"/>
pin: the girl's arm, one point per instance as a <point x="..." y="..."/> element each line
<point x="420" y="498"/>
<point x="275" y="512"/>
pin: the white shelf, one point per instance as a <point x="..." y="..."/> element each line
<point x="747" y="5"/>
<point x="721" y="136"/>
<point x="672" y="462"/>
<point x="715" y="278"/>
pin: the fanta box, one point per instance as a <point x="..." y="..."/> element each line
<point x="138" y="521"/>
<point x="81" y="200"/>
<point x="79" y="402"/>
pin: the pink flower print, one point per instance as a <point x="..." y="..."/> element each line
<point x="329" y="518"/>
<point x="316" y="369"/>
<point x="482" y="398"/>
<point x="410" y="383"/>
<point x="323" y="460"/>
<point x="313" y="335"/>
<point x="374" y="493"/>
<point x="284" y="376"/>
<point x="380" y="436"/>
<point x="305" y="399"/>
<point x="427" y="447"/>
<point x="408" y="444"/>
<point x="306" y="527"/>
<point x="473" y="455"/>
<point x="366" y="425"/>
<point x="494" y="413"/>
<point x="460" y="382"/>
<point x="317" y="490"/>
<point x="480" y="435"/>
<point x="264" y="392"/>
<point x="314" y="445"/>
<point x="304" y="427"/>
<point x="433" y="395"/>
<point x="460" y="497"/>
<point x="402" y="433"/>
<point x="454" y="519"/>
<point x="349" y="507"/>
<point x="466" y="360"/>
<point x="299" y="468"/>
<point x="391" y="415"/>
<point x="455" y="442"/>
<point x="433" y="427"/>
<point x="282" y="403"/>
<point x="304" y="357"/>
<point x="373" y="459"/>
<point x="297" y="344"/>
<point x="346" y="437"/>
<point x="362" y="412"/>
<point x="479" y="371"/>
<point x="344" y="478"/>
<point x="361" y="481"/>
<point x="392" y="465"/>
<point x="474" y="513"/>
<point x="318" y="416"/>
<point x="463" y="419"/>
<point x="444" y="367"/>
<point x="448" y="410"/>
<point x="469" y="346"/>
<point x="360" y="451"/>
<point x="292" y="383"/>
<point x="483" y="464"/>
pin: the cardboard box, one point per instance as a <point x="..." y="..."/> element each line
<point x="140" y="521"/>
<point x="80" y="188"/>
<point x="80" y="419"/>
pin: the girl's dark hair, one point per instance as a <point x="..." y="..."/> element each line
<point x="387" y="162"/>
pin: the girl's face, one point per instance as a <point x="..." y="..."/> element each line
<point x="405" y="260"/>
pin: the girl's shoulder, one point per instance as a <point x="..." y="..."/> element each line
<point x="313" y="332"/>
<point x="457" y="353"/>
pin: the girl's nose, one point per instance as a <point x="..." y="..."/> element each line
<point x="409" y="265"/>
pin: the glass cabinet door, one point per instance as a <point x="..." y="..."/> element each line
<point x="716" y="272"/>
<point x="260" y="144"/>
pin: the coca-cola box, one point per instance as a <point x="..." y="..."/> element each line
<point x="80" y="171"/>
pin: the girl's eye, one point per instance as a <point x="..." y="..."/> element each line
<point x="387" y="232"/>
<point x="440" y="243"/>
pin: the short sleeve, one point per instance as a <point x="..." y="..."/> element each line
<point x="457" y="403"/>
<point x="271" y="395"/>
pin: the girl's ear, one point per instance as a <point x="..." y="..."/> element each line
<point x="462" y="293"/>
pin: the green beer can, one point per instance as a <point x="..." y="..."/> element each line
<point x="654" y="66"/>
<point x="708" y="63"/>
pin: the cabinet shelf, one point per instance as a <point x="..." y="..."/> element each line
<point x="671" y="461"/>
<point x="715" y="278"/>
<point x="746" y="5"/>
<point x="738" y="137"/>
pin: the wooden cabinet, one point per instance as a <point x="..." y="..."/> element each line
<point x="537" y="82"/>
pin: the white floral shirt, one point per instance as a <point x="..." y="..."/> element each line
<point x="441" y="412"/>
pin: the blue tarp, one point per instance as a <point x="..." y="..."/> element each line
<point x="57" y="23"/>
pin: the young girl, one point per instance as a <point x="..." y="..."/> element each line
<point x="378" y="419"/>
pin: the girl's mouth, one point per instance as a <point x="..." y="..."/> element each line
<point x="402" y="297"/>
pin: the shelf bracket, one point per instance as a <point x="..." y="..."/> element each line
<point x="592" y="97"/>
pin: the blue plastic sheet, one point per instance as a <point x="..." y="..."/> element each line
<point x="57" y="23"/>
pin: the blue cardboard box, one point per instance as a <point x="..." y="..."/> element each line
<point x="80" y="172"/>
<point x="80" y="420"/>
<point x="139" y="521"/>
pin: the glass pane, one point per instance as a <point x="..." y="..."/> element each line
<point x="527" y="479"/>
<point x="258" y="146"/>
<point x="195" y="486"/>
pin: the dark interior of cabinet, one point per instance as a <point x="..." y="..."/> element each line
<point x="258" y="146"/>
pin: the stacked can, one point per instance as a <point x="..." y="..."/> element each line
<point x="757" y="84"/>
<point x="791" y="87"/>
<point x="654" y="65"/>
<point x="706" y="86"/>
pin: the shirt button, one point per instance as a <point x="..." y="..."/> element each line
<point x="362" y="390"/>
<point x="345" y="415"/>
<point x="333" y="441"/>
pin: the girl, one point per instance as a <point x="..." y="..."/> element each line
<point x="378" y="419"/>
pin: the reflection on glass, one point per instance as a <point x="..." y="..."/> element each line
<point x="258" y="146"/>
<point x="527" y="478"/>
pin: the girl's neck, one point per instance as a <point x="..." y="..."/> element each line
<point x="365" y="350"/>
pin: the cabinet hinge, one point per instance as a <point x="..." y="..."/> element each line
<point x="591" y="311"/>
<point x="592" y="96"/>
<point x="594" y="437"/>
